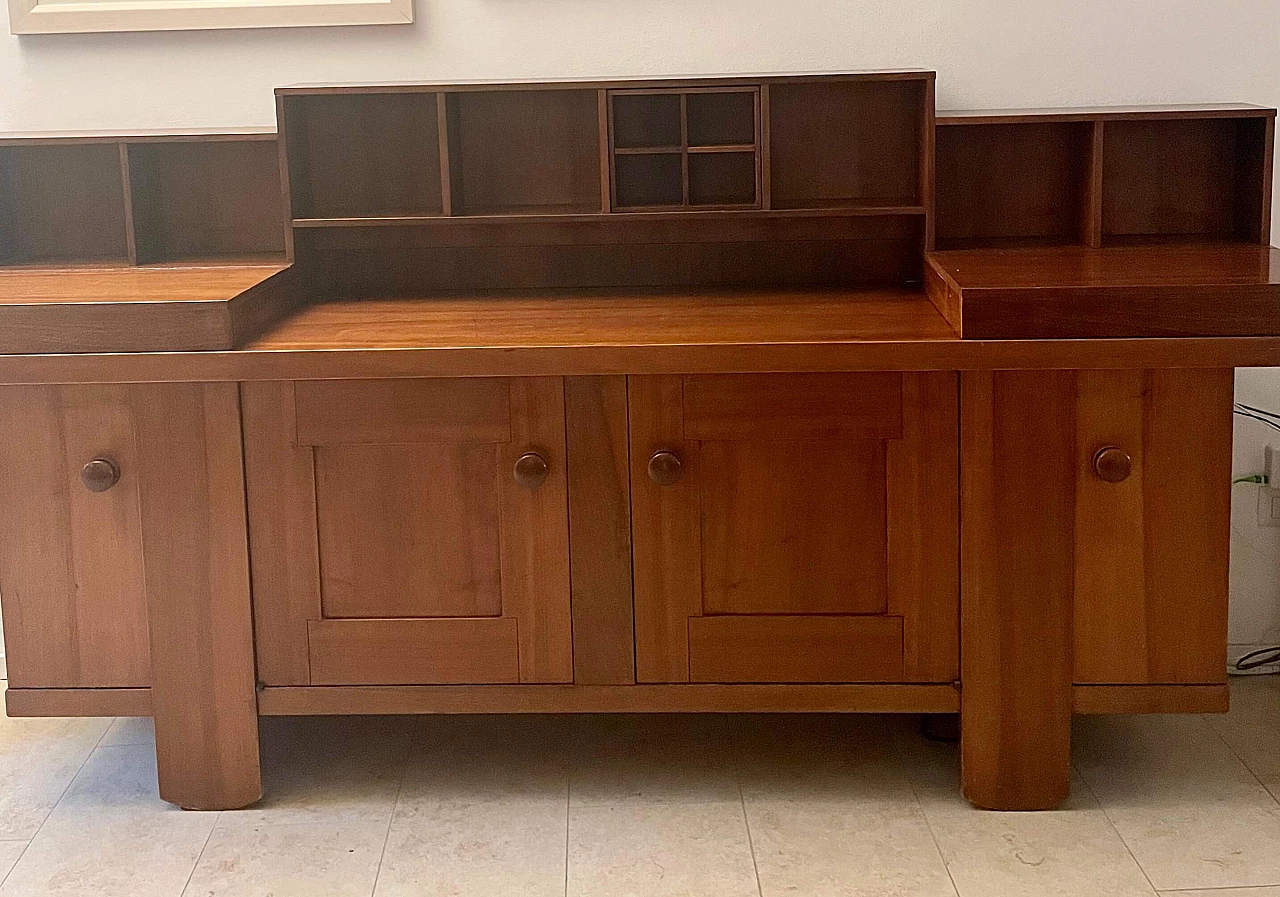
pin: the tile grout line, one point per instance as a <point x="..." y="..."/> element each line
<point x="200" y="856"/>
<point x="734" y="748"/>
<point x="568" y="794"/>
<point x="67" y="787"/>
<point x="1111" y="822"/>
<point x="1245" y="763"/>
<point x="1228" y="888"/>
<point x="933" y="836"/>
<point x="21" y="854"/>
<point x="746" y="821"/>
<point x="395" y="805"/>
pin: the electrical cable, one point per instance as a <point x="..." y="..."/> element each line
<point x="1273" y="424"/>
<point x="1261" y="658"/>
<point x="1253" y="410"/>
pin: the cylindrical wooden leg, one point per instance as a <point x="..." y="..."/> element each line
<point x="1017" y="529"/>
<point x="191" y="492"/>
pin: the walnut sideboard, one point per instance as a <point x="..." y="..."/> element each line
<point x="775" y="393"/>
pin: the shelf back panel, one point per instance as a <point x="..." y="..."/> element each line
<point x="524" y="151"/>
<point x="62" y="204"/>
<point x="845" y="143"/>
<point x="357" y="263"/>
<point x="363" y="154"/>
<point x="1000" y="184"/>
<point x="206" y="201"/>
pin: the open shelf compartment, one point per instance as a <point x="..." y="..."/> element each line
<point x="524" y="152"/>
<point x="215" y="201"/>
<point x="62" y="204"/>
<point x="354" y="155"/>
<point x="697" y="148"/>
<point x="848" y="143"/>
<point x="1186" y="180"/>
<point x="1014" y="184"/>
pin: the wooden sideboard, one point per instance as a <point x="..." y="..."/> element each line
<point x="735" y="394"/>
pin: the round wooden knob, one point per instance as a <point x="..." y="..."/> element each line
<point x="665" y="468"/>
<point x="531" y="470"/>
<point x="100" y="474"/>
<point x="1112" y="464"/>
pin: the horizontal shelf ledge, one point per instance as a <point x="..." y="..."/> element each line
<point x="620" y="216"/>
<point x="1100" y="113"/>
<point x="673" y="150"/>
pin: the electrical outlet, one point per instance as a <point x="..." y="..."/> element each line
<point x="1269" y="493"/>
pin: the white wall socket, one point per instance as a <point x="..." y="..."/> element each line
<point x="1269" y="494"/>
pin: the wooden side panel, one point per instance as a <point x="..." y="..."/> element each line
<point x="413" y="652"/>
<point x="1016" y="586"/>
<point x="333" y="412"/>
<point x="408" y="530"/>
<point x="70" y="560"/>
<point x="197" y="577"/>
<point x="793" y="527"/>
<point x="793" y="406"/>
<point x="1110" y="562"/>
<point x="666" y="531"/>
<point x="795" y="649"/>
<point x="600" y="530"/>
<point x="535" y="533"/>
<point x="1187" y="523"/>
<point x="1152" y="551"/>
<point x="923" y="526"/>
<point x="280" y="481"/>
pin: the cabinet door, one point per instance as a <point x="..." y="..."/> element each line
<point x="71" y="575"/>
<point x="795" y="527"/>
<point x="1152" y="531"/>
<point x="409" y="531"/>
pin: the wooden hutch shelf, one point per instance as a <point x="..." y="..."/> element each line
<point x="87" y="198"/>
<point x="692" y="394"/>
<point x="1104" y="177"/>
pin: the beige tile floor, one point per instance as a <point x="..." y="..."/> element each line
<point x="706" y="806"/>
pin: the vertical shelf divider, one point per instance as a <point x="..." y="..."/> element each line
<point x="762" y="157"/>
<point x="606" y="143"/>
<point x="1268" y="180"/>
<point x="126" y="182"/>
<point x="684" y="149"/>
<point x="286" y="191"/>
<point x="1092" y="211"/>
<point x="928" y="162"/>
<point x="446" y="164"/>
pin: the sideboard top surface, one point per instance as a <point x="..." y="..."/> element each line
<point x="80" y="286"/>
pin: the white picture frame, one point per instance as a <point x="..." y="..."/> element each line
<point x="80" y="16"/>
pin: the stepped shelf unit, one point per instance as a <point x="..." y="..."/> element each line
<point x="776" y="393"/>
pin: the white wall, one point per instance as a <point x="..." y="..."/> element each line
<point x="988" y="53"/>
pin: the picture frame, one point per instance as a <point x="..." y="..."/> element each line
<point x="84" y="16"/>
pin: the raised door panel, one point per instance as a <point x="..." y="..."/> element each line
<point x="408" y="530"/>
<point x="391" y="539"/>
<point x="71" y="574"/>
<point x="795" y="528"/>
<point x="1151" y="550"/>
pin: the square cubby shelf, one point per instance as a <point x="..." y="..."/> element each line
<point x="685" y="148"/>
